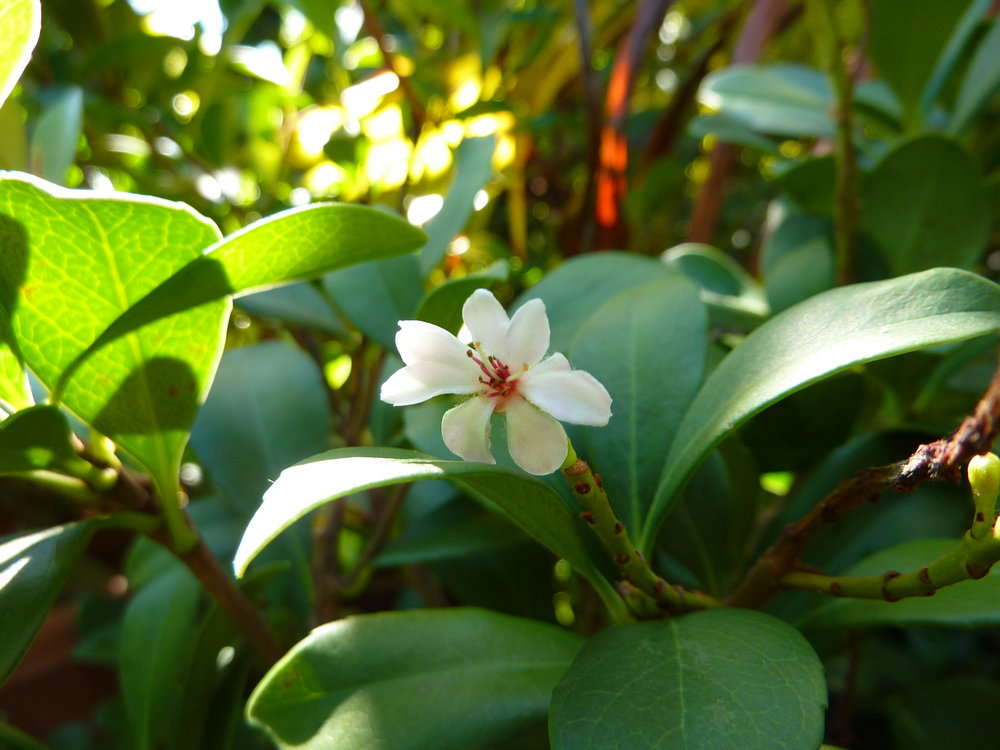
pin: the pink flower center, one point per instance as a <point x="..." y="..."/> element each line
<point x="496" y="377"/>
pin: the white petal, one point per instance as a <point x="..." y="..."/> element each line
<point x="423" y="380"/>
<point x="553" y="363"/>
<point x="575" y="396"/>
<point x="535" y="440"/>
<point x="487" y="322"/>
<point x="466" y="429"/>
<point x="528" y="335"/>
<point x="418" y="341"/>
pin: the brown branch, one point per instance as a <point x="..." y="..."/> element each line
<point x="944" y="459"/>
<point x="417" y="112"/>
<point x="765" y="18"/>
<point x="592" y="99"/>
<point x="613" y="155"/>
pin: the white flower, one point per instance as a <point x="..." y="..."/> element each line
<point x="500" y="364"/>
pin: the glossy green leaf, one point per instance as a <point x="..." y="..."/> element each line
<point x="74" y="262"/>
<point x="579" y="286"/>
<point x="20" y="22"/>
<point x="376" y="296"/>
<point x="473" y="167"/>
<point x="33" y="568"/>
<point x="449" y="679"/>
<point x="37" y="438"/>
<point x="815" y="339"/>
<point x="923" y="223"/>
<point x="157" y="641"/>
<point x="301" y="243"/>
<point x="969" y="604"/>
<point x="797" y="259"/>
<point x="781" y="99"/>
<point x="55" y="137"/>
<point x="525" y="500"/>
<point x="443" y="306"/>
<point x="733" y="296"/>
<point x="647" y="346"/>
<point x="907" y="60"/>
<point x="298" y="304"/>
<point x="712" y="680"/>
<point x="981" y="81"/>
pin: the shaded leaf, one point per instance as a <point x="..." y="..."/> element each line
<point x="37" y="438"/>
<point x="981" y="80"/>
<point x="451" y="679"/>
<point x="818" y="338"/>
<point x="725" y="678"/>
<point x="295" y="304"/>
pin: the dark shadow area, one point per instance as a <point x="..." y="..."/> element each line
<point x="13" y="269"/>
<point x="161" y="394"/>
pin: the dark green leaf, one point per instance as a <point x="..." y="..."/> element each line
<point x="443" y="306"/>
<point x="33" y="568"/>
<point x="958" y="713"/>
<point x="295" y="304"/>
<point x="970" y="604"/>
<point x="453" y="679"/>
<point x="473" y="167"/>
<point x="713" y="680"/>
<point x="20" y="22"/>
<point x="922" y="223"/>
<point x="733" y="296"/>
<point x="376" y="296"/>
<point x="472" y="532"/>
<point x="815" y="339"/>
<point x="157" y="641"/>
<point x="981" y="80"/>
<point x="525" y="500"/>
<point x="952" y="53"/>
<point x="647" y="346"/>
<point x="37" y="438"/>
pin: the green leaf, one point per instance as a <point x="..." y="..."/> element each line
<point x="981" y="80"/>
<point x="157" y="641"/>
<point x="376" y="296"/>
<point x="969" y="604"/>
<point x="301" y="243"/>
<point x="818" y="338"/>
<point x="923" y="223"/>
<point x="728" y="130"/>
<point x="12" y="738"/>
<point x="797" y="260"/>
<point x="37" y="438"/>
<point x="635" y="344"/>
<point x="14" y="391"/>
<point x="75" y="262"/>
<point x="579" y="286"/>
<point x="443" y="306"/>
<point x="733" y="296"/>
<point x="294" y="304"/>
<point x="906" y="60"/>
<point x="528" y="502"/>
<point x="20" y="22"/>
<point x="724" y="678"/>
<point x="447" y="679"/>
<point x="33" y="568"/>
<point x="952" y="53"/>
<point x="781" y="99"/>
<point x="473" y="167"/>
<point x="56" y="134"/>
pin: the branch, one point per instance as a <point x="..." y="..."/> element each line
<point x="943" y="459"/>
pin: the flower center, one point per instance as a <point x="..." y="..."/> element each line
<point x="496" y="377"/>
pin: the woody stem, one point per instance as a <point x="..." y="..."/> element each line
<point x="600" y="516"/>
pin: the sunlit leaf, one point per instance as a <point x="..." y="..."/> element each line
<point x="20" y="22"/>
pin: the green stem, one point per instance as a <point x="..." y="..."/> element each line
<point x="71" y="487"/>
<point x="600" y="516"/>
<point x="846" y="208"/>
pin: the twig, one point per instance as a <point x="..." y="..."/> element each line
<point x="846" y="208"/>
<point x="592" y="99"/>
<point x="943" y="459"/>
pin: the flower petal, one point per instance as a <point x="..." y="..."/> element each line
<point x="418" y="341"/>
<point x="487" y="322"/>
<point x="575" y="396"/>
<point x="553" y="363"/>
<point x="528" y="335"/>
<point x="423" y="380"/>
<point x="536" y="441"/>
<point x="466" y="429"/>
